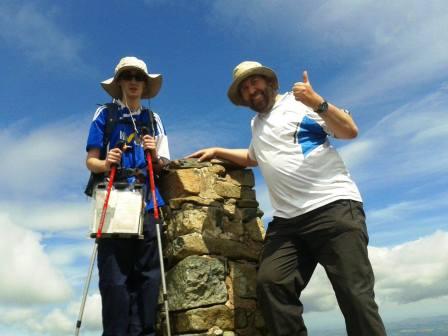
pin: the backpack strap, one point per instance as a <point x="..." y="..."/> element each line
<point x="112" y="120"/>
<point x="152" y="124"/>
<point x="111" y="123"/>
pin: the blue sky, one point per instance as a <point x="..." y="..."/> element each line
<point x="386" y="61"/>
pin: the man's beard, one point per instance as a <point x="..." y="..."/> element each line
<point x="262" y="100"/>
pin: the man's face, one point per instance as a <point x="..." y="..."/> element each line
<point x="257" y="93"/>
<point x="132" y="83"/>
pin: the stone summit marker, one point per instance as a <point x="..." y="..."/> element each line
<point x="213" y="235"/>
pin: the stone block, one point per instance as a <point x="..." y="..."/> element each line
<point x="247" y="203"/>
<point x="176" y="203"/>
<point x="247" y="214"/>
<point x="187" y="245"/>
<point x="231" y="248"/>
<point x="243" y="277"/>
<point x="200" y="319"/>
<point x="227" y="189"/>
<point x="196" y="281"/>
<point x="243" y="177"/>
<point x="248" y="193"/>
<point x="180" y="183"/>
<point x="234" y="227"/>
<point x="255" y="229"/>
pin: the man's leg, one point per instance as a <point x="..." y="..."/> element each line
<point x="285" y="270"/>
<point x="114" y="268"/>
<point x="345" y="259"/>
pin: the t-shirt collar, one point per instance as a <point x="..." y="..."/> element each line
<point x="123" y="106"/>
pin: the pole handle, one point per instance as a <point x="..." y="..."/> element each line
<point x="113" y="170"/>
<point x="152" y="184"/>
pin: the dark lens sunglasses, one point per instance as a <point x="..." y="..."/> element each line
<point x="128" y="76"/>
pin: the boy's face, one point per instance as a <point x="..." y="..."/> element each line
<point x="132" y="83"/>
<point x="257" y="93"/>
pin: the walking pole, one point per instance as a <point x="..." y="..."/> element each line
<point x="159" y="238"/>
<point x="112" y="173"/>
<point x="86" y="288"/>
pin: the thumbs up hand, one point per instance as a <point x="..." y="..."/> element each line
<point x="303" y="92"/>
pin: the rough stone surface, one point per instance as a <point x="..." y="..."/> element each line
<point x="200" y="319"/>
<point x="227" y="189"/>
<point x="181" y="183"/>
<point x="243" y="276"/>
<point x="255" y="229"/>
<point x="242" y="177"/>
<point x="184" y="246"/>
<point x="195" y="282"/>
<point x="213" y="237"/>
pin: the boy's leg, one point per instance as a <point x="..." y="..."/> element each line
<point x="114" y="266"/>
<point x="147" y="281"/>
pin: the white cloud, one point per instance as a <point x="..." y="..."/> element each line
<point x="92" y="313"/>
<point x="412" y="271"/>
<point x="407" y="211"/>
<point x="59" y="321"/>
<point x="189" y="135"/>
<point x="36" y="33"/>
<point x="49" y="216"/>
<point x="55" y="323"/>
<point x="403" y="145"/>
<point x="405" y="274"/>
<point x="401" y="41"/>
<point x="67" y="254"/>
<point x="359" y="151"/>
<point x="27" y="275"/>
<point x="43" y="161"/>
<point x="388" y="46"/>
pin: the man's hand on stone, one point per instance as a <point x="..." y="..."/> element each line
<point x="205" y="154"/>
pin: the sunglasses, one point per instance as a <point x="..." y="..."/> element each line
<point x="128" y="76"/>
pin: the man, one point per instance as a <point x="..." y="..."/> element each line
<point x="129" y="270"/>
<point x="318" y="216"/>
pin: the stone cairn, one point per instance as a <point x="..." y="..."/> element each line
<point x="213" y="235"/>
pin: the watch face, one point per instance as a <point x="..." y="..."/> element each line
<point x="322" y="107"/>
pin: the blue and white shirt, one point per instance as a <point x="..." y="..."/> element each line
<point x="125" y="130"/>
<point x="302" y="170"/>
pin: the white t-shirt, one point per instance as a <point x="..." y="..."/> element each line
<point x="302" y="170"/>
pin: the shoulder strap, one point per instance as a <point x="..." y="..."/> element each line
<point x="111" y="122"/>
<point x="152" y="124"/>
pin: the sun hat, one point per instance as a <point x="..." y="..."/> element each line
<point x="154" y="81"/>
<point x="244" y="70"/>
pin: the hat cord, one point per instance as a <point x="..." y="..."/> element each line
<point x="132" y="118"/>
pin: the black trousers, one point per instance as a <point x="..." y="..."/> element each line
<point x="334" y="236"/>
<point x="129" y="280"/>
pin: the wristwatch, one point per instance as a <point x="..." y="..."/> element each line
<point x="322" y="108"/>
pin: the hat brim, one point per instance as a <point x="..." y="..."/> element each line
<point x="152" y="88"/>
<point x="233" y="92"/>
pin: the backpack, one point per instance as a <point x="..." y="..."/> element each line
<point x="111" y="122"/>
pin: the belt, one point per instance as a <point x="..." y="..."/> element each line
<point x="123" y="173"/>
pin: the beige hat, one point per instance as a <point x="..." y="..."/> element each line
<point x="154" y="81"/>
<point x="244" y="70"/>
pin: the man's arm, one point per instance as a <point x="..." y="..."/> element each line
<point x="237" y="156"/>
<point x="339" y="122"/>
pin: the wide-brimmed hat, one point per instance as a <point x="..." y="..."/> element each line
<point x="153" y="83"/>
<point x="244" y="70"/>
